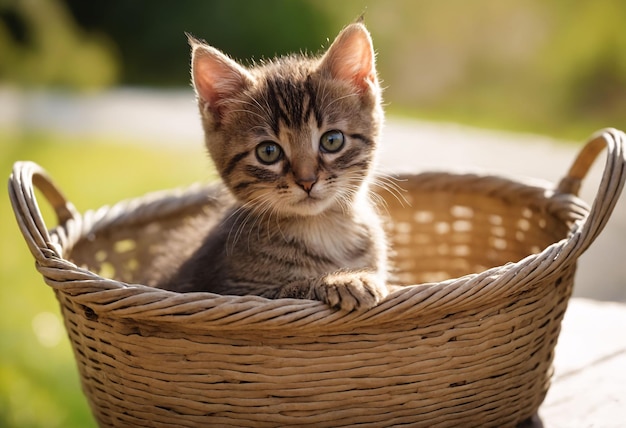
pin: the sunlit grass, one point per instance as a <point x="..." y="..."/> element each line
<point x="39" y="384"/>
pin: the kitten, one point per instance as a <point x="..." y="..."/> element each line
<point x="294" y="140"/>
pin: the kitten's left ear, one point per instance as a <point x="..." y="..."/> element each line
<point x="351" y="57"/>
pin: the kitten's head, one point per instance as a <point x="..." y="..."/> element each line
<point x="297" y="135"/>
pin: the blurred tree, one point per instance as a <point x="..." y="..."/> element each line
<point x="586" y="59"/>
<point x="153" y="48"/>
<point x="41" y="45"/>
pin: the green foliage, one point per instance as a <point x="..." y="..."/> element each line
<point x="39" y="384"/>
<point x="150" y="36"/>
<point x="42" y="45"/>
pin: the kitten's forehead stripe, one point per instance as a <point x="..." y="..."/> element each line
<point x="292" y="101"/>
<point x="313" y="108"/>
<point x="277" y="111"/>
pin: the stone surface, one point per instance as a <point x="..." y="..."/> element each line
<point x="589" y="384"/>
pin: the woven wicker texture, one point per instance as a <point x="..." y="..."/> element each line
<point x="488" y="263"/>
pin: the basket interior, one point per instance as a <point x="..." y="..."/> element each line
<point x="434" y="234"/>
<point x="445" y="235"/>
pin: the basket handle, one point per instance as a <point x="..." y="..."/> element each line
<point x="27" y="176"/>
<point x="611" y="183"/>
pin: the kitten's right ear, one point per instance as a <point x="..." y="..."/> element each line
<point x="215" y="76"/>
<point x="351" y="58"/>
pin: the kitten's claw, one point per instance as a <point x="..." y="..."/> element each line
<point x="350" y="290"/>
<point x="342" y="290"/>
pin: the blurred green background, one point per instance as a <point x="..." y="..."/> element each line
<point x="556" y="68"/>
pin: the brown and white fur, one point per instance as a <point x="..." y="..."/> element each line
<point x="295" y="142"/>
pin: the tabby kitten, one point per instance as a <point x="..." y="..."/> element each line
<point x="294" y="140"/>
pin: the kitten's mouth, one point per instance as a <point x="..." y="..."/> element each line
<point x="309" y="205"/>
<point x="309" y="200"/>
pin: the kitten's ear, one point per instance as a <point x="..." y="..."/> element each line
<point x="351" y="57"/>
<point x="215" y="76"/>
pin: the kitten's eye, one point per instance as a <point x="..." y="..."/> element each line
<point x="332" y="141"/>
<point x="268" y="152"/>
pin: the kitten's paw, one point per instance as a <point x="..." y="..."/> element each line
<point x="350" y="290"/>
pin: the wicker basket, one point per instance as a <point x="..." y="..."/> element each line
<point x="471" y="351"/>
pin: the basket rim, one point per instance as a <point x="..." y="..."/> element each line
<point x="207" y="310"/>
<point x="138" y="301"/>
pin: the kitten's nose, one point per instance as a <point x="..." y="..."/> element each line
<point x="307" y="183"/>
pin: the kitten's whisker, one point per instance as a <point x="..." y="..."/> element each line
<point x="258" y="127"/>
<point x="250" y="112"/>
<point x="263" y="205"/>
<point x="375" y="196"/>
<point x="274" y="210"/>
<point x="237" y="228"/>
<point x="339" y="99"/>
<point x="280" y="230"/>
<point x="246" y="210"/>
<point x="324" y="94"/>
<point x="390" y="184"/>
<point x="265" y="109"/>
<point x="262" y="210"/>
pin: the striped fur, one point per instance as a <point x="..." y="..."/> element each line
<point x="302" y="225"/>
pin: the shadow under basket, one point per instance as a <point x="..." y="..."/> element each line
<point x="488" y="266"/>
